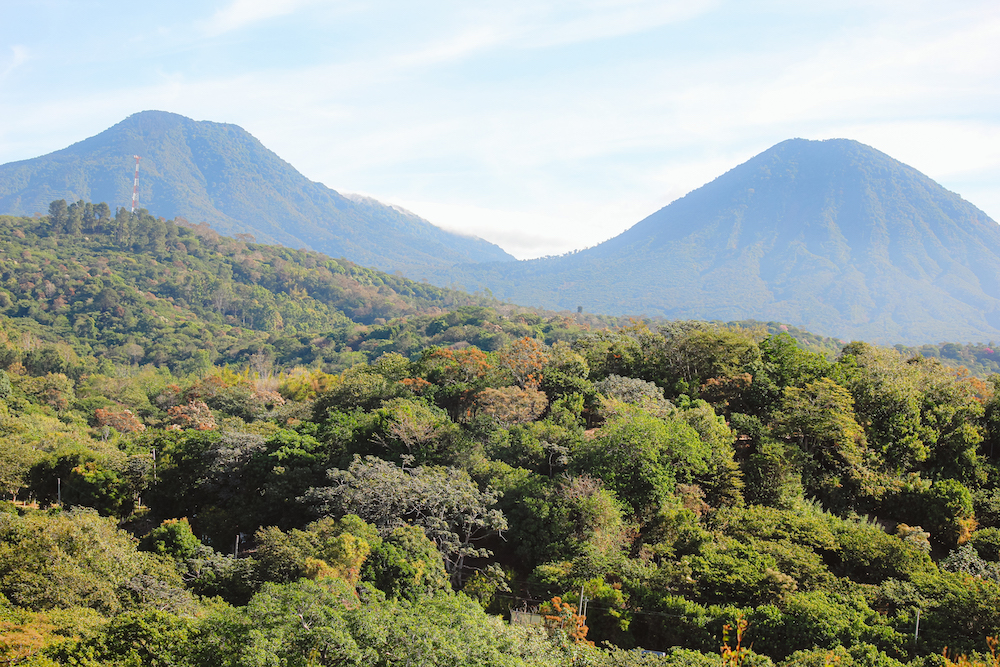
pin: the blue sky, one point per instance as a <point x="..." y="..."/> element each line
<point x="541" y="126"/>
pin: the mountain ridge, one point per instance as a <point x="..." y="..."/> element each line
<point x="834" y="236"/>
<point x="220" y="174"/>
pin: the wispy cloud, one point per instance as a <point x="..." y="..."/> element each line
<point x="534" y="235"/>
<point x="517" y="24"/>
<point x="242" y="13"/>
<point x="542" y="124"/>
<point x="470" y="41"/>
<point x="19" y="56"/>
<point x="545" y="25"/>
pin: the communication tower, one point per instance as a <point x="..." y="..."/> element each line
<point x="135" y="186"/>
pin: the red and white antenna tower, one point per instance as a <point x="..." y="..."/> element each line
<point x="135" y="186"/>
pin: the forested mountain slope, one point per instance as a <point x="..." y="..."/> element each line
<point x="683" y="480"/>
<point x="143" y="290"/>
<point x="833" y="236"/>
<point x="307" y="488"/>
<point x="220" y="174"/>
<point x="149" y="291"/>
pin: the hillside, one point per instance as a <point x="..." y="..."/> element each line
<point x="833" y="236"/>
<point x="143" y="290"/>
<point x="182" y="295"/>
<point x="682" y="480"/>
<point x="322" y="461"/>
<point x="220" y="174"/>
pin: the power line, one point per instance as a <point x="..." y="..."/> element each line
<point x="536" y="584"/>
<point x="630" y="611"/>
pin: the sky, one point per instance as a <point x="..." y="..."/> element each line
<point x="543" y="127"/>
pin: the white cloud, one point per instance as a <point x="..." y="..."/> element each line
<point x="551" y="24"/>
<point x="469" y="41"/>
<point x="481" y="117"/>
<point x="242" y="13"/>
<point x="19" y="56"/>
<point x="482" y="26"/>
<point x="524" y="234"/>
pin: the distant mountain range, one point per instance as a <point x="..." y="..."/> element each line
<point x="220" y="174"/>
<point x="834" y="236"/>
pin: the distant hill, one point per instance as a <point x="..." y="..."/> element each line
<point x="220" y="174"/>
<point x="834" y="236"/>
<point x="143" y="290"/>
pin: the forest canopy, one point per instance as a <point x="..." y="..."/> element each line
<point x="427" y="477"/>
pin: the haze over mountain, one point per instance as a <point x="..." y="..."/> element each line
<point x="834" y="236"/>
<point x="220" y="174"/>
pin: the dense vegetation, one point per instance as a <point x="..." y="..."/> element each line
<point x="150" y="291"/>
<point x="980" y="359"/>
<point x="204" y="492"/>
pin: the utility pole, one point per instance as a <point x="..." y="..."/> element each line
<point x="135" y="185"/>
<point x="582" y="608"/>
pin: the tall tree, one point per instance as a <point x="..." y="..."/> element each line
<point x="58" y="216"/>
<point x="448" y="505"/>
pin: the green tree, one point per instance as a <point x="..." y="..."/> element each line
<point x="74" y="223"/>
<point x="641" y="457"/>
<point x="173" y="538"/>
<point x="948" y="512"/>
<point x="122" y="228"/>
<point x="511" y="405"/>
<point x="406" y="565"/>
<point x="421" y="433"/>
<point x="953" y="413"/>
<point x="297" y="624"/>
<point x="146" y="637"/>
<point x="16" y="459"/>
<point x="633" y="390"/>
<point x="58" y="216"/>
<point x="448" y="505"/>
<point x="887" y="398"/>
<point x="68" y="559"/>
<point x="820" y="419"/>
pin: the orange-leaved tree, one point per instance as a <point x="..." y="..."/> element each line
<point x="561" y="618"/>
<point x="524" y="359"/>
